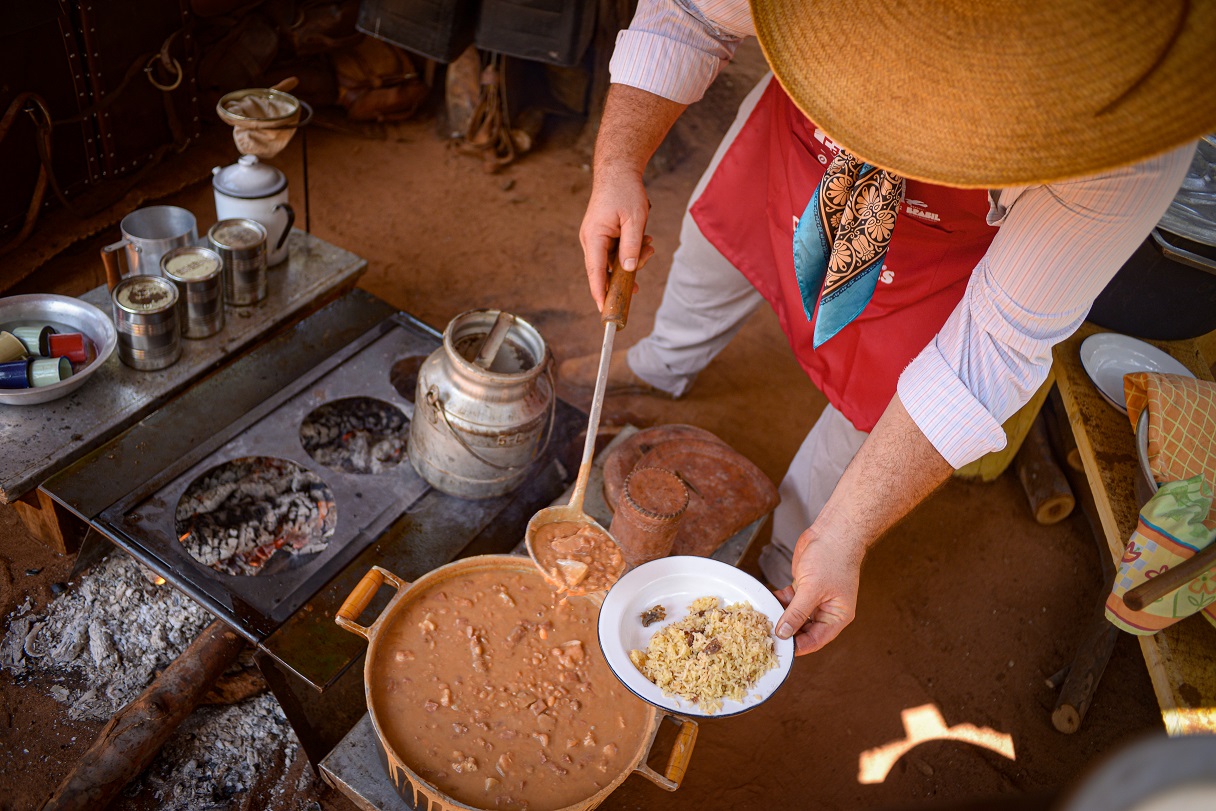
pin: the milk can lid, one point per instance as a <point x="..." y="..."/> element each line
<point x="248" y="179"/>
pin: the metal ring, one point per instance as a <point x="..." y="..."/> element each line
<point x="305" y="118"/>
<point x="177" y="66"/>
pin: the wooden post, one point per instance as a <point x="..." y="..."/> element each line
<point x="49" y="522"/>
<point x="1081" y="678"/>
<point x="1060" y="432"/>
<point x="1086" y="671"/>
<point x="1051" y="499"/>
<point x="131" y="739"/>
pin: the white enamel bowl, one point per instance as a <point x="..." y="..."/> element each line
<point x="674" y="582"/>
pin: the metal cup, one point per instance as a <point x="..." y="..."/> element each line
<point x="11" y="348"/>
<point x="147" y="235"/>
<point x="241" y="243"/>
<point x="198" y="274"/>
<point x="36" y="339"/>
<point x="49" y="371"/>
<point x="15" y="374"/>
<point x="72" y="345"/>
<point x="145" y="315"/>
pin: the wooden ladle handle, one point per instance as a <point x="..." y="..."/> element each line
<point x="1153" y="589"/>
<point x="620" y="292"/>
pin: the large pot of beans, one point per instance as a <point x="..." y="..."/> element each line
<point x="489" y="691"/>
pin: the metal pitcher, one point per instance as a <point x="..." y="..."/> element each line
<point x="147" y="235"/>
<point x="478" y="427"/>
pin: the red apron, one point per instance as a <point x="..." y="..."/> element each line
<point x="749" y="209"/>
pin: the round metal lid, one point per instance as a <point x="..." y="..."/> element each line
<point x="248" y="179"/>
<point x="191" y="264"/>
<point x="237" y="234"/>
<point x="1193" y="213"/>
<point x="141" y="295"/>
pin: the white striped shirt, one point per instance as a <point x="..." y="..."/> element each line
<point x="1057" y="247"/>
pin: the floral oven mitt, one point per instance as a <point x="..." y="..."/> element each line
<point x="1171" y="529"/>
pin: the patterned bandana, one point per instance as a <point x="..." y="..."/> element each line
<point x="841" y="240"/>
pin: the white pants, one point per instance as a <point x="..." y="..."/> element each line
<point x="706" y="302"/>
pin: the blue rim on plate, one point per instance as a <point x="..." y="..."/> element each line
<point x="674" y="582"/>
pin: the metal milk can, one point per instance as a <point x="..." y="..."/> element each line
<point x="483" y="406"/>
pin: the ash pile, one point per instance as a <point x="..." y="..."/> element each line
<point x="100" y="643"/>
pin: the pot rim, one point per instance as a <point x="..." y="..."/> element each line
<point x="409" y="591"/>
<point x="520" y="327"/>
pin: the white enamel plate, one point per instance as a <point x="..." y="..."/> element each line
<point x="1108" y="356"/>
<point x="673" y="583"/>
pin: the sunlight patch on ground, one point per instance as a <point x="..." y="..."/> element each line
<point x="925" y="723"/>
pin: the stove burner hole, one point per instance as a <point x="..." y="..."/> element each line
<point x="404" y="375"/>
<point x="356" y="435"/>
<point x="237" y="515"/>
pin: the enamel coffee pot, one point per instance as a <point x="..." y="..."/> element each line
<point x="252" y="190"/>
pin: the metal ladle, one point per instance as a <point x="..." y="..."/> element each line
<point x="614" y="316"/>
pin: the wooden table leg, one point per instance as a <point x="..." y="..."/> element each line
<point x="1047" y="491"/>
<point x="1081" y="683"/>
<point x="50" y="522"/>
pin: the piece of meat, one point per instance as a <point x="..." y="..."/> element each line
<point x="570" y="544"/>
<point x="573" y="571"/>
<point x="653" y="615"/>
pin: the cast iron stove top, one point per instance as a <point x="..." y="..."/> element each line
<point x="365" y="503"/>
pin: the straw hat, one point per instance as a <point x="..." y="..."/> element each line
<point x="991" y="93"/>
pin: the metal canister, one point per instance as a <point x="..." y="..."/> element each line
<point x="198" y="274"/>
<point x="145" y="313"/>
<point x="476" y="431"/>
<point x="36" y="339"/>
<point x="241" y="244"/>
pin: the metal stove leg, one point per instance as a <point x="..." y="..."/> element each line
<point x="320" y="719"/>
<point x="93" y="548"/>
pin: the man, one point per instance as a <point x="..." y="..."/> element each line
<point x="924" y="306"/>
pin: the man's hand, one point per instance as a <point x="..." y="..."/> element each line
<point x="823" y="599"/>
<point x="632" y="127"/>
<point x="615" y="219"/>
<point x="895" y="469"/>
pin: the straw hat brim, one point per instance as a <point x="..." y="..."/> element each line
<point x="990" y="93"/>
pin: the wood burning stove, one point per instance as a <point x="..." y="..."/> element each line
<point x="238" y="453"/>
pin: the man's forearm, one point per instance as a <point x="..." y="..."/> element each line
<point x="634" y="123"/>
<point x="896" y="469"/>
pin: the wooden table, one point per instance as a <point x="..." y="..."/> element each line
<point x="1181" y="659"/>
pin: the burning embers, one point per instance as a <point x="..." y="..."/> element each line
<point x="237" y="515"/>
<point x="356" y="435"/>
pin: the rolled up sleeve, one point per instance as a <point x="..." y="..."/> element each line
<point x="1057" y="247"/>
<point x="675" y="48"/>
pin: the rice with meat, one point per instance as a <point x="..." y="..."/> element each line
<point x="712" y="654"/>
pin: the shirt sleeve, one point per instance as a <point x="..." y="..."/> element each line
<point x="1058" y="246"/>
<point x="675" y="48"/>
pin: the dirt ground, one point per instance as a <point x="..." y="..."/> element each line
<point x="965" y="607"/>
